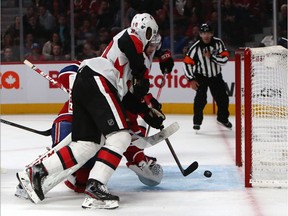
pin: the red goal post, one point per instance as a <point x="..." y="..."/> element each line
<point x="261" y="99"/>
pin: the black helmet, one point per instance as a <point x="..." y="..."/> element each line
<point x="205" y="28"/>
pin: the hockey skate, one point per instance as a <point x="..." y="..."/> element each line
<point x="99" y="197"/>
<point x="225" y="124"/>
<point x="149" y="172"/>
<point x="196" y="127"/>
<point x="31" y="181"/>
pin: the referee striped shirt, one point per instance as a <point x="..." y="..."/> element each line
<point x="195" y="63"/>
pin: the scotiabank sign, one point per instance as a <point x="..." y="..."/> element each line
<point x="20" y="84"/>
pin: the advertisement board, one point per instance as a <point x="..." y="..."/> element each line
<point x="19" y="84"/>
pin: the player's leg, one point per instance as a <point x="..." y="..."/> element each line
<point x="103" y="105"/>
<point x="78" y="152"/>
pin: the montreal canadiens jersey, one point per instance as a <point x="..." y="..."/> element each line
<point x="64" y="75"/>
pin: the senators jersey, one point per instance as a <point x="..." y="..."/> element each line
<point x="121" y="61"/>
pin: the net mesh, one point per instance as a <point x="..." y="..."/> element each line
<point x="269" y="116"/>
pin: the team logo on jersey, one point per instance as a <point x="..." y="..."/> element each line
<point x="110" y="122"/>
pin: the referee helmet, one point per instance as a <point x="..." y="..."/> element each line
<point x="205" y="28"/>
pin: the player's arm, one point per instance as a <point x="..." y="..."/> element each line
<point x="147" y="107"/>
<point x="166" y="61"/>
<point x="132" y="47"/>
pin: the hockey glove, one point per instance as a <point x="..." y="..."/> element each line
<point x="166" y="62"/>
<point x="141" y="87"/>
<point x="154" y="118"/>
<point x="152" y="102"/>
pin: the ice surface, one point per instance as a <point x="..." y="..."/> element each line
<point x="213" y="147"/>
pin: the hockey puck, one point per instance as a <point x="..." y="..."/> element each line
<point x="207" y="173"/>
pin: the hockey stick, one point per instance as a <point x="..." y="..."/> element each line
<point x="189" y="169"/>
<point x="54" y="82"/>
<point x="140" y="142"/>
<point x="157" y="98"/>
<point x="44" y="133"/>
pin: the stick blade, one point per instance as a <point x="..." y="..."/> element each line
<point x="191" y="168"/>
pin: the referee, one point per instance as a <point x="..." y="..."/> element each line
<point x="202" y="67"/>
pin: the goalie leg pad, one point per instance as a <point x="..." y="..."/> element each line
<point x="25" y="183"/>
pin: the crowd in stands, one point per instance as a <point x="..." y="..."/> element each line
<point x="47" y="33"/>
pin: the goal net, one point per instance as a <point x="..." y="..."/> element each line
<point x="262" y="115"/>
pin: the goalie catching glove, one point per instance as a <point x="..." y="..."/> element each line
<point x="166" y="62"/>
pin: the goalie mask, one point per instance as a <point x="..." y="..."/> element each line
<point x="145" y="26"/>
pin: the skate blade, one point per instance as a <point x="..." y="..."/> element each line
<point x="91" y="203"/>
<point x="26" y="185"/>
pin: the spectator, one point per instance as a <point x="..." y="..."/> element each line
<point x="14" y="30"/>
<point x="63" y="30"/>
<point x="28" y="41"/>
<point x="30" y="11"/>
<point x="230" y="23"/>
<point x="39" y="32"/>
<point x="191" y="38"/>
<point x="48" y="46"/>
<point x="179" y="41"/>
<point x="8" y="41"/>
<point x="46" y="19"/>
<point x="8" y="55"/>
<point x="129" y="13"/>
<point x="85" y="31"/>
<point x="104" y="36"/>
<point x="87" y="52"/>
<point x="35" y="54"/>
<point x="57" y="54"/>
<point x="105" y="15"/>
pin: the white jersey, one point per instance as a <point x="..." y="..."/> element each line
<point x="121" y="60"/>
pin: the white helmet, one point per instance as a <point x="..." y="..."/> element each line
<point x="145" y="26"/>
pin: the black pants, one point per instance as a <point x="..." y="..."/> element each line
<point x="97" y="108"/>
<point x="219" y="92"/>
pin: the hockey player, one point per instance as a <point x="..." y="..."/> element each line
<point x="100" y="85"/>
<point x="148" y="171"/>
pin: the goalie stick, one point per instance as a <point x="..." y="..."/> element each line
<point x="44" y="133"/>
<point x="33" y="67"/>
